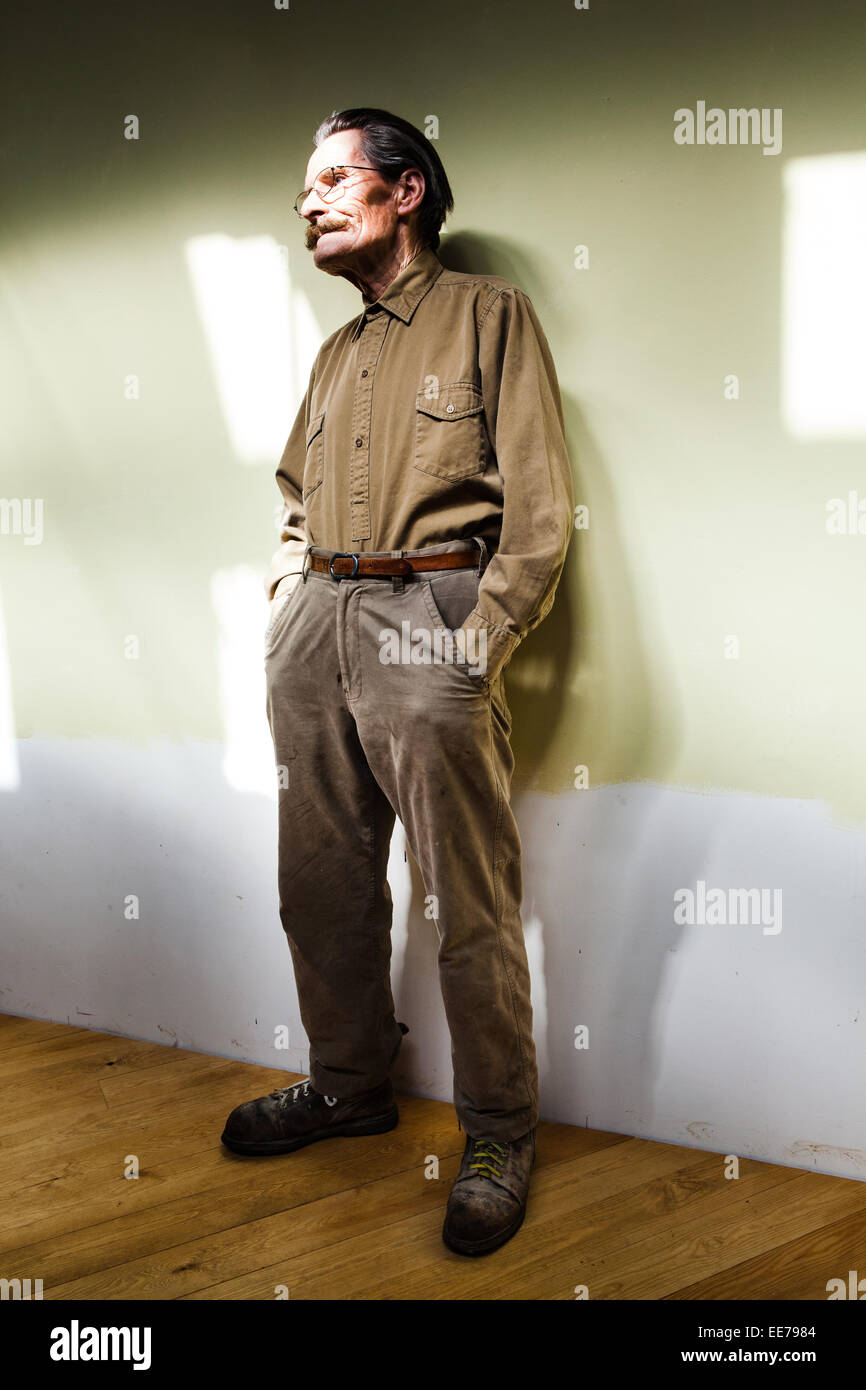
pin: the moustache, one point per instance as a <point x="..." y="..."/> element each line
<point x="314" y="232"/>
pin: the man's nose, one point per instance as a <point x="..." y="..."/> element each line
<point x="313" y="204"/>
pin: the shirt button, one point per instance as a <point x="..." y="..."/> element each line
<point x="358" y="442"/>
<point x="449" y="408"/>
<point x="364" y="372"/>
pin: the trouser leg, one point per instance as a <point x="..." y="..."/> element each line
<point x="437" y="740"/>
<point x="335" y="829"/>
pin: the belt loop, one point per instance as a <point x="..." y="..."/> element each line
<point x="483" y="555"/>
<point x="398" y="584"/>
<point x="307" y="548"/>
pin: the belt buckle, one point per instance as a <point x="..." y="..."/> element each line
<point x="342" y="555"/>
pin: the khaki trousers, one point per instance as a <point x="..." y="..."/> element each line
<point x="358" y="739"/>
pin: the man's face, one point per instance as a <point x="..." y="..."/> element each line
<point x="361" y="221"/>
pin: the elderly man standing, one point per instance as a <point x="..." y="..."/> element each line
<point x="428" y="510"/>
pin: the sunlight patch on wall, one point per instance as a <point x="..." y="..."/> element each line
<point x="261" y="335"/>
<point x="533" y="933"/>
<point x="824" y="297"/>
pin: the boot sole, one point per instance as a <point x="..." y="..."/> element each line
<point x="373" y="1124"/>
<point x="489" y="1244"/>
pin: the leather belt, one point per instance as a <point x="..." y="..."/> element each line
<point x="345" y="564"/>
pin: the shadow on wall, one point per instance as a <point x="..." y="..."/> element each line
<point x="552" y="676"/>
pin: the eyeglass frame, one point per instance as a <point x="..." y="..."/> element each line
<point x="305" y="192"/>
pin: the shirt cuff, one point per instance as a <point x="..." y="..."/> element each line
<point x="499" y="644"/>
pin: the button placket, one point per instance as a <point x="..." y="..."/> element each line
<point x="370" y="346"/>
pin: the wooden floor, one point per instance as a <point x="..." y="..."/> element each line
<point x="356" y="1218"/>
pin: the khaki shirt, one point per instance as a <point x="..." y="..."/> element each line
<point x="436" y="415"/>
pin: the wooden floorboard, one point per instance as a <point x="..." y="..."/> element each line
<point x="356" y="1219"/>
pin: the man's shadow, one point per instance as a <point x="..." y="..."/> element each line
<point x="536" y="677"/>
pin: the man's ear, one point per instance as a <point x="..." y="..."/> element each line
<point x="412" y="190"/>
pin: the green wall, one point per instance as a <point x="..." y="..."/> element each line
<point x="707" y="515"/>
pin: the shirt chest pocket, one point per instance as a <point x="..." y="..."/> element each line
<point x="451" y="439"/>
<point x="314" y="464"/>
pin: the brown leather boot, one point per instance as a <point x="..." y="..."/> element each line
<point x="488" y="1200"/>
<point x="295" y="1116"/>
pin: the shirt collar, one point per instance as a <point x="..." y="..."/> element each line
<point x="406" y="290"/>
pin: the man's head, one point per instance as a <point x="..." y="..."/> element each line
<point x="391" y="206"/>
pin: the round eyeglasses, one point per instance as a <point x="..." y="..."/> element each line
<point x="328" y="184"/>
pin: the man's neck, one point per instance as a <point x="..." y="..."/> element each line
<point x="372" y="281"/>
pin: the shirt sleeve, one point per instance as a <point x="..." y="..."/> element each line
<point x="523" y="411"/>
<point x="289" y="558"/>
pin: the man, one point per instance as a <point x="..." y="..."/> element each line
<point x="428" y="509"/>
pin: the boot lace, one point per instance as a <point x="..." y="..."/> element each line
<point x="300" y="1089"/>
<point x="481" y="1152"/>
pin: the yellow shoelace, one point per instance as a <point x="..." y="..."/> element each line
<point x="480" y="1151"/>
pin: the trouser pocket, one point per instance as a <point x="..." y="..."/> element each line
<point x="278" y="620"/>
<point x="453" y="595"/>
<point x="449" y="598"/>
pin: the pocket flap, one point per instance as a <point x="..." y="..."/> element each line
<point x="314" y="426"/>
<point x="452" y="402"/>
